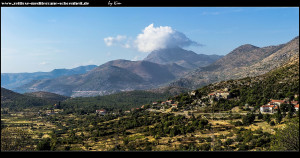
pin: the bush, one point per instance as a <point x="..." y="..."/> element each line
<point x="272" y="123"/>
<point x="44" y="145"/>
<point x="229" y="141"/>
<point x="248" y="119"/>
<point x="238" y="123"/>
<point x="205" y="147"/>
<point x="260" y="116"/>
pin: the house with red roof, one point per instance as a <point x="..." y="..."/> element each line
<point x="169" y="102"/>
<point x="277" y="102"/>
<point x="294" y="102"/>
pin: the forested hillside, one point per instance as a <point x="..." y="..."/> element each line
<point x="10" y="99"/>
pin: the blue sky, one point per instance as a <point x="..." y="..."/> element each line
<point x="43" y="39"/>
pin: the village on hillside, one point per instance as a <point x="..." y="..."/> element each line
<point x="173" y="106"/>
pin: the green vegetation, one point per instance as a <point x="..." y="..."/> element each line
<point x="287" y="139"/>
<point x="14" y="100"/>
<point x="115" y="102"/>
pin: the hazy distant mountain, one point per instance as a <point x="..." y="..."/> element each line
<point x="246" y="60"/>
<point x="111" y="77"/>
<point x="181" y="57"/>
<point x="13" y="80"/>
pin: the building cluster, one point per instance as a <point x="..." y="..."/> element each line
<point x="273" y="105"/>
<point x="219" y="94"/>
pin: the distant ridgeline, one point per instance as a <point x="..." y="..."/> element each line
<point x="14" y="80"/>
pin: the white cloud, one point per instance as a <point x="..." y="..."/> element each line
<point x="109" y="41"/>
<point x="44" y="63"/>
<point x="152" y="38"/>
<point x="155" y="38"/>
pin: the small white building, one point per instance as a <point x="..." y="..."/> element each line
<point x="101" y="112"/>
<point x="297" y="107"/>
<point x="268" y="108"/>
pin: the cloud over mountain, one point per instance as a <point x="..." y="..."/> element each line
<point x="153" y="38"/>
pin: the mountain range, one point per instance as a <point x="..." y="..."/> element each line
<point x="168" y="70"/>
<point x="14" y="80"/>
<point x="244" y="61"/>
<point x="124" y="75"/>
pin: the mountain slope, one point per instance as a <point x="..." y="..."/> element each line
<point x="147" y="70"/>
<point x="244" y="61"/>
<point x="181" y="57"/>
<point x="47" y="96"/>
<point x="15" y="100"/>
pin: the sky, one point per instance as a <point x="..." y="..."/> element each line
<point x="47" y="38"/>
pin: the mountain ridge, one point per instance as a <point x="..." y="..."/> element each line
<point x="238" y="64"/>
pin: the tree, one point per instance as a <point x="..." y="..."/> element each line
<point x="267" y="118"/>
<point x="260" y="116"/>
<point x="44" y="144"/>
<point x="284" y="108"/>
<point x="278" y="116"/>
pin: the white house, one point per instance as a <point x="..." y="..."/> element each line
<point x="297" y="107"/>
<point x="268" y="108"/>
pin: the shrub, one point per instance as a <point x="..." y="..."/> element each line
<point x="272" y="123"/>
